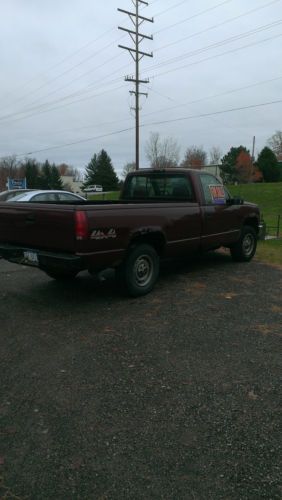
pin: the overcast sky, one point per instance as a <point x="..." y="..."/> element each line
<point x="62" y="76"/>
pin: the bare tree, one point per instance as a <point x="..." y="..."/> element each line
<point x="275" y="142"/>
<point x="129" y="167"/>
<point x="215" y="155"/>
<point x="195" y="157"/>
<point x="9" y="167"/>
<point x="162" y="153"/>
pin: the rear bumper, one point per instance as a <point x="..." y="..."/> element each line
<point x="40" y="258"/>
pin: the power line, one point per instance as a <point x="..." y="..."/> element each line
<point x="214" y="96"/>
<point x="84" y="60"/>
<point x="88" y="72"/>
<point x="216" y="56"/>
<point x="193" y="17"/>
<point x="162" y="122"/>
<point x="217" y="25"/>
<point x="170" y="8"/>
<point x="225" y="41"/>
<point x="165" y="63"/>
<point x="195" y="101"/>
<point x="64" y="105"/>
<point x="151" y="76"/>
<point x="50" y="68"/>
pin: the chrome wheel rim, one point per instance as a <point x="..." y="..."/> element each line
<point x="143" y="270"/>
<point x="248" y="244"/>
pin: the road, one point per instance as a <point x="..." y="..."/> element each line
<point x="174" y="395"/>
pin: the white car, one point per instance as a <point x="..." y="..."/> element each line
<point x="95" y="188"/>
<point x="47" y="195"/>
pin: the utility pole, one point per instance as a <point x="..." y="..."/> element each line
<point x="137" y="55"/>
<point x="253" y="149"/>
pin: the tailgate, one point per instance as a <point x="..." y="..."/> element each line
<point x="36" y="225"/>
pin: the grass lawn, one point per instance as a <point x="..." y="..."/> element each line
<point x="108" y="196"/>
<point x="268" y="196"/>
<point x="270" y="251"/>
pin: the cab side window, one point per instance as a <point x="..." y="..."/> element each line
<point x="213" y="190"/>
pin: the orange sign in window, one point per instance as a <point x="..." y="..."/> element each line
<point x="218" y="194"/>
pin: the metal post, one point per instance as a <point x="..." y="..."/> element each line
<point x="278" y="227"/>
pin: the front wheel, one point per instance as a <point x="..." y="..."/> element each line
<point x="140" y="270"/>
<point x="245" y="248"/>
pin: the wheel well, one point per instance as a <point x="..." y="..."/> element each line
<point x="156" y="240"/>
<point x="253" y="222"/>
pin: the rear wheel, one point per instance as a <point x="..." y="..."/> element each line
<point x="245" y="248"/>
<point x="140" y="270"/>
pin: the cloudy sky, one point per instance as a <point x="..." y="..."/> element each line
<point x="62" y="89"/>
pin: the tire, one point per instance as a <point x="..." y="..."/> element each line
<point x="245" y="248"/>
<point x="140" y="270"/>
<point x="59" y="275"/>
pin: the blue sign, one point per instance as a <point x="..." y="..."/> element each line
<point x="16" y="183"/>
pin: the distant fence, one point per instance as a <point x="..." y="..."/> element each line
<point x="272" y="229"/>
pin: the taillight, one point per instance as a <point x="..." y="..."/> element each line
<point x="81" y="225"/>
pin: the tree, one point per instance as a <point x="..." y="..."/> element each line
<point x="215" y="155"/>
<point x="268" y="165"/>
<point x="162" y="153"/>
<point x="55" y="178"/>
<point x="100" y="171"/>
<point x="50" y="177"/>
<point x="9" y="167"/>
<point x="32" y="173"/>
<point x="244" y="167"/>
<point x="45" y="178"/>
<point x="195" y="157"/>
<point x="275" y="142"/>
<point x="229" y="167"/>
<point x="129" y="167"/>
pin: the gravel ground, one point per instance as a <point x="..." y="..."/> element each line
<point x="170" y="396"/>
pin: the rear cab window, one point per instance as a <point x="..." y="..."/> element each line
<point x="159" y="187"/>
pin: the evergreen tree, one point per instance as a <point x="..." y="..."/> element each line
<point x="100" y="171"/>
<point x="45" y="181"/>
<point x="268" y="165"/>
<point x="91" y="172"/>
<point x="229" y="167"/>
<point x="32" y="174"/>
<point x="55" y="178"/>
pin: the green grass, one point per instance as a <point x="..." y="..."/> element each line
<point x="270" y="251"/>
<point x="268" y="196"/>
<point x="109" y="196"/>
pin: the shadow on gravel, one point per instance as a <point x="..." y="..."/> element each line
<point x="86" y="287"/>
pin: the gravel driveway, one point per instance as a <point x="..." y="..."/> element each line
<point x="170" y="396"/>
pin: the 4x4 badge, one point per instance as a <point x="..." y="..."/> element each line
<point x="99" y="234"/>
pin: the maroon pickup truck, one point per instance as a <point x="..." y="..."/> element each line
<point x="160" y="214"/>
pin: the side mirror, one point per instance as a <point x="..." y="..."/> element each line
<point x="235" y="201"/>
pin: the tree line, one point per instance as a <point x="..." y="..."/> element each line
<point x="38" y="175"/>
<point x="236" y="166"/>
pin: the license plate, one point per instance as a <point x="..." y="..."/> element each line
<point x="31" y="258"/>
